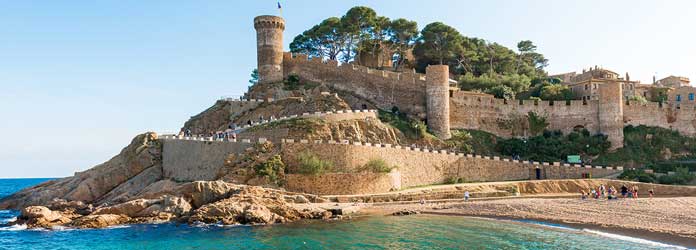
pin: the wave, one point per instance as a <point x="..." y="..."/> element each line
<point x="17" y="227"/>
<point x="633" y="239"/>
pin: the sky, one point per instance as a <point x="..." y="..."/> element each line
<point x="79" y="79"/>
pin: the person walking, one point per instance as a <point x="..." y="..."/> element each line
<point x="466" y="195"/>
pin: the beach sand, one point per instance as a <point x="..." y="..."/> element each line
<point x="663" y="219"/>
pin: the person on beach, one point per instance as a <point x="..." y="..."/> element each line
<point x="624" y="191"/>
<point x="602" y="190"/>
<point x="635" y="191"/>
<point x="466" y="195"/>
<point x="651" y="193"/>
<point x="583" y="196"/>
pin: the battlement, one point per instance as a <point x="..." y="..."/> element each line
<point x="300" y="59"/>
<point x="415" y="166"/>
<point x="275" y="22"/>
<point x="385" y="89"/>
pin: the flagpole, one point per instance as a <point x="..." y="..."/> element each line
<point x="280" y="9"/>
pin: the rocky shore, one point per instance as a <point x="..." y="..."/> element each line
<point x="206" y="202"/>
<point x="130" y="188"/>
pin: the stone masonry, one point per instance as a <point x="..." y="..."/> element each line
<point x="427" y="96"/>
<point x="269" y="48"/>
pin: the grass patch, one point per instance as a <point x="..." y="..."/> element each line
<point x="376" y="165"/>
<point x="311" y="164"/>
<point x="307" y="125"/>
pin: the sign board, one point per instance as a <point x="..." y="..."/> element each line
<point x="574" y="159"/>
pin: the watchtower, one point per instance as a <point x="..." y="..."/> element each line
<point x="437" y="100"/>
<point x="610" y="111"/>
<point x="269" y="47"/>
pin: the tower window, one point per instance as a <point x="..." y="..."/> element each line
<point x="679" y="98"/>
<point x="691" y="96"/>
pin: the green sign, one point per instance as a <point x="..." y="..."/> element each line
<point x="574" y="159"/>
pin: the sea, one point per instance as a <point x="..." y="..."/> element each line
<point x="367" y="232"/>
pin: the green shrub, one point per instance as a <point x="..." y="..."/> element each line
<point x="537" y="123"/>
<point x="680" y="177"/>
<point x="454" y="180"/>
<point x="311" y="164"/>
<point x="461" y="140"/>
<point x="411" y="128"/>
<point x="637" y="175"/>
<point x="273" y="168"/>
<point x="292" y="82"/>
<point x="377" y="165"/>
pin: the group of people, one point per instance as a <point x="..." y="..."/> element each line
<point x="227" y="134"/>
<point x="611" y="193"/>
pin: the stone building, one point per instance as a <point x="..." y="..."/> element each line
<point x="673" y="82"/>
<point x="604" y="105"/>
<point x="585" y="86"/>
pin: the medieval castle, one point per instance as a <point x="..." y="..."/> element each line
<point x="603" y="104"/>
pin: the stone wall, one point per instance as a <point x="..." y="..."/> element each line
<point x="340" y="183"/>
<point x="193" y="159"/>
<point x="385" y="89"/>
<point x="190" y="159"/>
<point x="417" y="167"/>
<point x="509" y="118"/>
<point x="681" y="118"/>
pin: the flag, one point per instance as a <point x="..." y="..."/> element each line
<point x="280" y="9"/>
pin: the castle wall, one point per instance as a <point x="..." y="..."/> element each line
<point x="339" y="183"/>
<point x="682" y="119"/>
<point x="509" y="118"/>
<point x="385" y="89"/>
<point x="417" y="167"/>
<point x="195" y="160"/>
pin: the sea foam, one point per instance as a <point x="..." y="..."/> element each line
<point x="633" y="239"/>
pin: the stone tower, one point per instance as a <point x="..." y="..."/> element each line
<point x="437" y="100"/>
<point x="610" y="111"/>
<point x="269" y="47"/>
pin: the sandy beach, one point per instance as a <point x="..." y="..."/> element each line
<point x="664" y="219"/>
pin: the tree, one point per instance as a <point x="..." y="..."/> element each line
<point x="528" y="59"/>
<point x="254" y="77"/>
<point x="440" y="42"/>
<point x="324" y="40"/>
<point x="357" y="24"/>
<point x="501" y="91"/>
<point x="555" y="92"/>
<point x="403" y="35"/>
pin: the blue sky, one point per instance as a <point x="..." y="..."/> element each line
<point x="79" y="79"/>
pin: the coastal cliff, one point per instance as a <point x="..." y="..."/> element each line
<point x="130" y="188"/>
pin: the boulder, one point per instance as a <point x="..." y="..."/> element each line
<point x="39" y="216"/>
<point x="204" y="192"/>
<point x="100" y="220"/>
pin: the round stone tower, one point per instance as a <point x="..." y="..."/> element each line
<point x="610" y="111"/>
<point x="269" y="47"/>
<point x="437" y="100"/>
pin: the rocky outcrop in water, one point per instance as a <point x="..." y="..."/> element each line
<point x="141" y="155"/>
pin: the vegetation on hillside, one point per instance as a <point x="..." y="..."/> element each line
<point x="412" y="129"/>
<point x="478" y="64"/>
<point x="652" y="146"/>
<point x="311" y="164"/>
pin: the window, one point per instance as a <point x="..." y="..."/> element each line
<point x="586" y="86"/>
<point x="691" y="96"/>
<point x="679" y="98"/>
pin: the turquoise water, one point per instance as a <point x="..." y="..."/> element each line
<point x="376" y="232"/>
